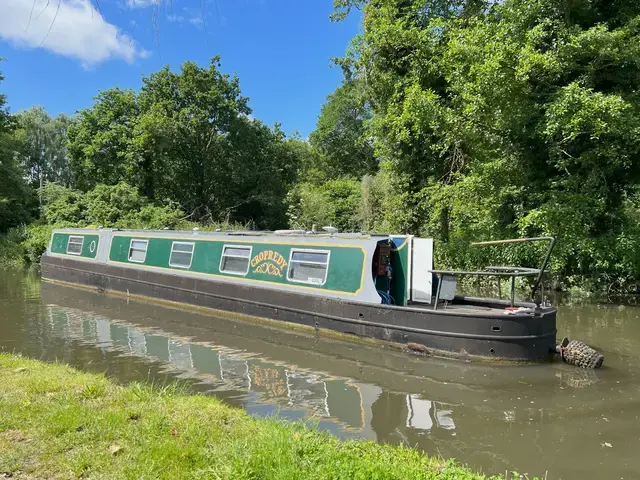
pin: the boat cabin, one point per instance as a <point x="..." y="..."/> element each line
<point x="381" y="269"/>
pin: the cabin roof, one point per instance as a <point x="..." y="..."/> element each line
<point x="242" y="233"/>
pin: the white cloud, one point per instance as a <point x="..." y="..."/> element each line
<point x="196" y="20"/>
<point x="73" y="28"/>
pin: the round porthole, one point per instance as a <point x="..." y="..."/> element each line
<point x="92" y="246"/>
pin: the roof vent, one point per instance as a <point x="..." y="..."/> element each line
<point x="196" y="229"/>
<point x="330" y="229"/>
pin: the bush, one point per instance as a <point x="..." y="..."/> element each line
<point x="335" y="203"/>
<point x="383" y="206"/>
<point x="63" y="205"/>
<point x="35" y="241"/>
<point x="118" y="206"/>
<point x="11" y="249"/>
<point x="113" y="205"/>
<point x="24" y="245"/>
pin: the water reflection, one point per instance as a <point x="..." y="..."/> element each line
<point x="532" y="419"/>
<point x="425" y="414"/>
<point x="318" y="395"/>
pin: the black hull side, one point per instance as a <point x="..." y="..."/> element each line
<point x="506" y="337"/>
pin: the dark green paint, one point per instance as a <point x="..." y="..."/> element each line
<point x="60" y="240"/>
<point x="400" y="262"/>
<point x="345" y="264"/>
<point x="400" y="272"/>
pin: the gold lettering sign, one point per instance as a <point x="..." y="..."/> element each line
<point x="269" y="262"/>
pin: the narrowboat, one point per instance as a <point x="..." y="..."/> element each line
<point x="368" y="285"/>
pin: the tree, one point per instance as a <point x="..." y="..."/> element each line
<point x="335" y="203"/>
<point x="43" y="152"/>
<point x="100" y="139"/>
<point x="340" y="135"/>
<point x="196" y="114"/>
<point x="509" y="118"/>
<point x="187" y="137"/>
<point x="195" y="135"/>
<point x="16" y="199"/>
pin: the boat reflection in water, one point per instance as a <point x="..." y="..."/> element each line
<point x="216" y="368"/>
<point x="425" y="414"/>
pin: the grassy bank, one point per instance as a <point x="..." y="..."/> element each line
<point x="57" y="422"/>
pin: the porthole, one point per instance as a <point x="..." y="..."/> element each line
<point x="92" y="246"/>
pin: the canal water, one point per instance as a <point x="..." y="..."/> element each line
<point x="553" y="418"/>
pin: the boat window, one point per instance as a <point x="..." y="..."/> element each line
<point x="138" y="250"/>
<point x="235" y="260"/>
<point x="181" y="254"/>
<point x="308" y="266"/>
<point x="74" y="245"/>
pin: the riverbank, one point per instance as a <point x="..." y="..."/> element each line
<point x="58" y="422"/>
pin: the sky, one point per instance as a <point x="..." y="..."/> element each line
<point x="61" y="53"/>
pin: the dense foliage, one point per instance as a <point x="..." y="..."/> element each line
<point x="507" y="119"/>
<point x="334" y="202"/>
<point x="42" y="146"/>
<point x="186" y="137"/>
<point x="16" y="199"/>
<point x="340" y="137"/>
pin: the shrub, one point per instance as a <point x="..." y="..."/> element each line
<point x="11" y="249"/>
<point x="335" y="203"/>
<point x="35" y="241"/>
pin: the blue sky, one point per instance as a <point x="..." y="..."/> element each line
<point x="280" y="49"/>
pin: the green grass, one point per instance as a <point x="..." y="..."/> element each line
<point x="57" y="422"/>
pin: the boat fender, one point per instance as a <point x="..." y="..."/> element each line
<point x="579" y="354"/>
